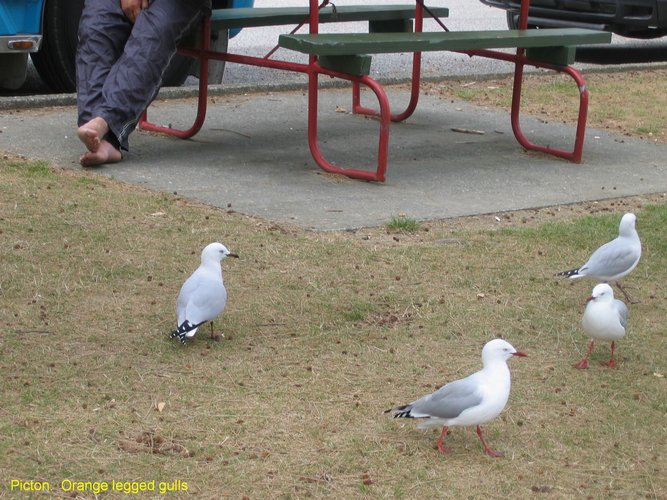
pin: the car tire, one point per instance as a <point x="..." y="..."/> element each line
<point x="55" y="60"/>
<point x="513" y="21"/>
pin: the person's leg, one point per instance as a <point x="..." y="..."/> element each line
<point x="103" y="32"/>
<point x="135" y="79"/>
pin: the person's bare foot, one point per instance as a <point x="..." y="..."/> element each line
<point x="92" y="133"/>
<point x="105" y="153"/>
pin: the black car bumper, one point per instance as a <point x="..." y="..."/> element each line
<point x="634" y="18"/>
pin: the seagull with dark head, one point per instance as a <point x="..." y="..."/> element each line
<point x="473" y="400"/>
<point x="203" y="295"/>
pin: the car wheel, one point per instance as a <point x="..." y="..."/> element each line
<point x="55" y="60"/>
<point x="513" y="21"/>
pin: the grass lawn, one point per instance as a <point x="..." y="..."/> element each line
<point x="323" y="331"/>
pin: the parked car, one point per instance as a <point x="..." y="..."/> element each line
<point x="628" y="18"/>
<point x="47" y="31"/>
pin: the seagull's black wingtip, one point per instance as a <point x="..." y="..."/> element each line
<point x="568" y="274"/>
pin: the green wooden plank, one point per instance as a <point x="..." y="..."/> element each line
<point x="563" y="56"/>
<point x="378" y="43"/>
<point x="278" y="16"/>
<point x="359" y="65"/>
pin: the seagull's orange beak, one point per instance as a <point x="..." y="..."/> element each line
<point x="589" y="299"/>
<point x="520" y="354"/>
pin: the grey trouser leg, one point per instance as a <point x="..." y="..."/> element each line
<point x="120" y="65"/>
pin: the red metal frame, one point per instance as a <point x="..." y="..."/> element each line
<point x="313" y="70"/>
<point x="519" y="60"/>
<point x="415" y="80"/>
<point x="203" y="57"/>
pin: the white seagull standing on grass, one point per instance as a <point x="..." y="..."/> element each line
<point x="474" y="400"/>
<point x="605" y="318"/>
<point x="614" y="259"/>
<point x="203" y="295"/>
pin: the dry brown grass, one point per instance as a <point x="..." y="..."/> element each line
<point x="630" y="103"/>
<point x="323" y="332"/>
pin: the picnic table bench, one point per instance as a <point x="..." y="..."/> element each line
<point x="348" y="56"/>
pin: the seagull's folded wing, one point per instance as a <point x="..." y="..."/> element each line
<point x="611" y="259"/>
<point x="206" y="301"/>
<point x="622" y="310"/>
<point x="184" y="296"/>
<point x="449" y="401"/>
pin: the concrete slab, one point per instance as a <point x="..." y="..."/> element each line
<point x="252" y="155"/>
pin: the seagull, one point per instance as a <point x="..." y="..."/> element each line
<point x="203" y="295"/>
<point x="474" y="400"/>
<point x="614" y="259"/>
<point x="605" y="318"/>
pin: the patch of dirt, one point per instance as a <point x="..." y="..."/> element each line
<point x="390" y="318"/>
<point x="152" y="442"/>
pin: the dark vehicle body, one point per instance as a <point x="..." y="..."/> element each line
<point x="628" y="18"/>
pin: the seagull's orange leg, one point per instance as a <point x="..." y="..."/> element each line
<point x="626" y="294"/>
<point x="583" y="364"/>
<point x="441" y="441"/>
<point x="487" y="449"/>
<point x="611" y="363"/>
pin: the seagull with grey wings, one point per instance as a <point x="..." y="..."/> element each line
<point x="605" y="318"/>
<point x="614" y="259"/>
<point x="203" y="295"/>
<point x="473" y="400"/>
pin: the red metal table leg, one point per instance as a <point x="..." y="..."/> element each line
<point x="414" y="94"/>
<point x="202" y="101"/>
<point x="519" y="60"/>
<point x="577" y="151"/>
<point x="415" y="79"/>
<point x="384" y="118"/>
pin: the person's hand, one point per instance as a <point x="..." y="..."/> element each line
<point x="132" y="8"/>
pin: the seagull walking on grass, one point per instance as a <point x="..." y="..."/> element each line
<point x="203" y="295"/>
<point x="614" y="259"/>
<point x="605" y="318"/>
<point x="474" y="400"/>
